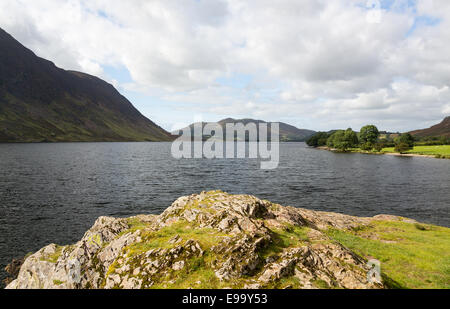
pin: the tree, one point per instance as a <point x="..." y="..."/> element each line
<point x="343" y="140"/>
<point x="367" y="146"/>
<point x="351" y="137"/>
<point x="378" y="147"/>
<point x="318" y="139"/>
<point x="368" y="136"/>
<point x="404" y="142"/>
<point x="330" y="140"/>
<point x="402" y="148"/>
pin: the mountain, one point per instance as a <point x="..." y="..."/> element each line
<point x="442" y="129"/>
<point x="41" y="102"/>
<point x="288" y="133"/>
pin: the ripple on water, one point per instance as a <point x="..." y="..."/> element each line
<point x="52" y="193"/>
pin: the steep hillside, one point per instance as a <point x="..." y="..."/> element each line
<point x="442" y="129"/>
<point x="40" y="102"/>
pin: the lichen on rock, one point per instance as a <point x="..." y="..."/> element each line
<point x="207" y="240"/>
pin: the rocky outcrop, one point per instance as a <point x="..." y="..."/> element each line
<point x="12" y="269"/>
<point x="209" y="240"/>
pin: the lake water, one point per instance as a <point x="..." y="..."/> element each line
<point x="52" y="193"/>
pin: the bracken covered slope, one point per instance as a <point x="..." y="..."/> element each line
<point x="209" y="240"/>
<point x="441" y="129"/>
<point x="40" y="102"/>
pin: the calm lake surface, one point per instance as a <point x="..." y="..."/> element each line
<point x="52" y="193"/>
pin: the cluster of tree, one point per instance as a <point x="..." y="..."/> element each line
<point x="343" y="140"/>
<point x="432" y="140"/>
<point x="404" y="142"/>
<point x="368" y="139"/>
<point x="318" y="140"/>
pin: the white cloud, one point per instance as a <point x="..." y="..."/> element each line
<point x="316" y="60"/>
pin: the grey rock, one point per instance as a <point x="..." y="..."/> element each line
<point x="113" y="254"/>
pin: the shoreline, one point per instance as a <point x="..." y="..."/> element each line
<point x="395" y="154"/>
<point x="410" y="155"/>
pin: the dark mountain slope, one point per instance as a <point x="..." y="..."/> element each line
<point x="40" y="102"/>
<point x="442" y="129"/>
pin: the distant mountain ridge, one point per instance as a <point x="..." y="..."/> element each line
<point x="41" y="102"/>
<point x="441" y="129"/>
<point x="288" y="133"/>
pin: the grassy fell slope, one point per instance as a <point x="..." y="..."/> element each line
<point x="441" y="129"/>
<point x="40" y="102"/>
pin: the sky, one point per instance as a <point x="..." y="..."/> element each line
<point x="318" y="65"/>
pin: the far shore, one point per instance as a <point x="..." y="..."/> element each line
<point x="396" y="154"/>
<point x="408" y="155"/>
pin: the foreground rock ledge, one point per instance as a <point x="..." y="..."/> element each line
<point x="209" y="240"/>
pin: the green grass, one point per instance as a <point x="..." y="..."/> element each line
<point x="53" y="258"/>
<point x="290" y="236"/>
<point x="411" y="255"/>
<point x="437" y="151"/>
<point x="426" y="150"/>
<point x="160" y="239"/>
<point x="197" y="274"/>
<point x="414" y="256"/>
<point x="58" y="282"/>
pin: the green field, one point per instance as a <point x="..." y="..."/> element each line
<point x="412" y="255"/>
<point x="443" y="151"/>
